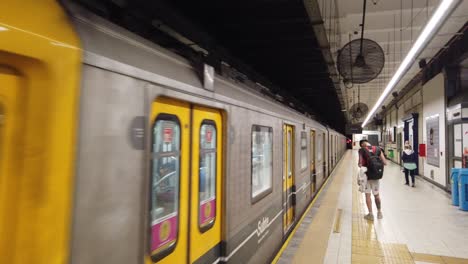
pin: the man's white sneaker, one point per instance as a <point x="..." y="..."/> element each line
<point x="379" y="215"/>
<point x="369" y="217"/>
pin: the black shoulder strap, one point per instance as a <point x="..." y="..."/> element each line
<point x="367" y="153"/>
<point x="377" y="151"/>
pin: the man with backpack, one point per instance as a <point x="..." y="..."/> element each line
<point x="373" y="159"/>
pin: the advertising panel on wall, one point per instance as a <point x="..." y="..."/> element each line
<point x="465" y="141"/>
<point x="432" y="140"/>
<point x="391" y="135"/>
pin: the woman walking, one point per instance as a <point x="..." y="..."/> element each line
<point x="410" y="161"/>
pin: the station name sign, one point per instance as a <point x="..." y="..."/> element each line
<point x="353" y="129"/>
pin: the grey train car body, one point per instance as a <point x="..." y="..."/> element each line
<point x="122" y="74"/>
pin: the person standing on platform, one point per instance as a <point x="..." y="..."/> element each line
<point x="407" y="143"/>
<point x="409" y="160"/>
<point x="373" y="159"/>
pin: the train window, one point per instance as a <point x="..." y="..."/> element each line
<point x="165" y="184"/>
<point x="207" y="178"/>
<point x="303" y="150"/>
<point x="262" y="161"/>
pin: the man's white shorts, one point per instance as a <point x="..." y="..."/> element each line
<point x="373" y="186"/>
<point x="362" y="179"/>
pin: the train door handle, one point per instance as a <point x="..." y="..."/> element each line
<point x="293" y="197"/>
<point x="312" y="176"/>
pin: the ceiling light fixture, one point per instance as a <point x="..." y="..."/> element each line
<point x="438" y="18"/>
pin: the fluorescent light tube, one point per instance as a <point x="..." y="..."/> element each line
<point x="437" y="19"/>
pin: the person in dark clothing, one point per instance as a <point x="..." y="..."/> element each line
<point x="410" y="161"/>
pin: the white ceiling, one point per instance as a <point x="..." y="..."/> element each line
<point x="389" y="24"/>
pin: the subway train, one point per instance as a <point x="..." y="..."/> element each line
<point x="113" y="152"/>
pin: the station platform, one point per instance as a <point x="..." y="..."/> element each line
<point x="419" y="224"/>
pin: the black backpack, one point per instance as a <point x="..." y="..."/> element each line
<point x="375" y="166"/>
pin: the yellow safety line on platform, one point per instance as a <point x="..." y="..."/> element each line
<point x="365" y="246"/>
<point x="286" y="243"/>
<point x="367" y="249"/>
<point x="438" y="259"/>
<point x="317" y="234"/>
<point x="337" y="227"/>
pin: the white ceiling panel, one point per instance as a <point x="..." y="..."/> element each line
<point x="395" y="28"/>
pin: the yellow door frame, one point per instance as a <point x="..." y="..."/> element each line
<point x="204" y="237"/>
<point x="313" y="179"/>
<point x="193" y="239"/>
<point x="10" y="160"/>
<point x="39" y="43"/>
<point x="324" y="155"/>
<point x="165" y="232"/>
<point x="288" y="176"/>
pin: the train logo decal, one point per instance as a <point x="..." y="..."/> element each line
<point x="164" y="234"/>
<point x="262" y="229"/>
<point x="165" y="230"/>
<point x="207" y="212"/>
<point x="263" y="225"/>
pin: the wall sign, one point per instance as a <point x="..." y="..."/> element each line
<point x="422" y="150"/>
<point x="465" y="138"/>
<point x="137" y="132"/>
<point x="353" y="129"/>
<point x="432" y="140"/>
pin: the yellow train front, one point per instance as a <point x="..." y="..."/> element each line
<point x="113" y="152"/>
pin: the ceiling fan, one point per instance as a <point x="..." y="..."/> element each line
<point x="360" y="60"/>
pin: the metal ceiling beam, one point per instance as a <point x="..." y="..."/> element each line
<point x="268" y="39"/>
<point x="267" y="22"/>
<point x="313" y="10"/>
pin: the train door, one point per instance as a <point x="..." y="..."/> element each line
<point x="336" y="150"/>
<point x="288" y="178"/>
<point x="9" y="164"/>
<point x="185" y="183"/>
<point x="324" y="148"/>
<point x="313" y="176"/>
<point x="330" y="153"/>
<point x="205" y="226"/>
<point x="320" y="161"/>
